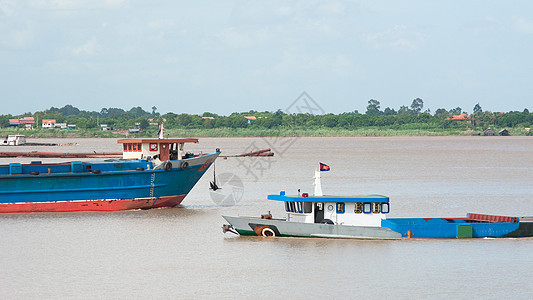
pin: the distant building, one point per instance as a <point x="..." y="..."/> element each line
<point x="488" y="132"/>
<point x="14" y="122"/>
<point x="26" y="121"/>
<point x="504" y="132"/>
<point x="461" y="117"/>
<point x="208" y="118"/>
<point x="104" y="127"/>
<point x="48" y="123"/>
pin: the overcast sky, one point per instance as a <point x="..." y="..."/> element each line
<point x="226" y="56"/>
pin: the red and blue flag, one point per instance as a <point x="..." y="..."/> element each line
<point x="324" y="167"/>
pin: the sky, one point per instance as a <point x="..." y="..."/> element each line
<point x="236" y="56"/>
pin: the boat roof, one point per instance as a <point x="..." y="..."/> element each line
<point x="301" y="198"/>
<point x="156" y="140"/>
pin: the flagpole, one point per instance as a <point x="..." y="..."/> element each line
<point x="318" y="185"/>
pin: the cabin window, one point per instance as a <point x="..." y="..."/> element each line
<point x="367" y="208"/>
<point x="358" y="208"/>
<point x="125" y="146"/>
<point x="340" y="208"/>
<point x="287" y="208"/>
<point x="139" y="147"/>
<point x="129" y="147"/>
<point x="385" y="208"/>
<point x="134" y="147"/>
<point x="153" y="146"/>
<point x="308" y="207"/>
<point x="292" y="207"/>
<point x="299" y="207"/>
<point x="376" y="207"/>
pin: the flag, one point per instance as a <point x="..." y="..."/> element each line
<point x="324" y="167"/>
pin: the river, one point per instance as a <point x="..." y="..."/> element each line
<point x="182" y="253"/>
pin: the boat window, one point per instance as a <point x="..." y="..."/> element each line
<point x="375" y="208"/>
<point x="385" y="208"/>
<point x="287" y="208"/>
<point x="153" y="146"/>
<point x="308" y="207"/>
<point x="292" y="207"/>
<point x="320" y="205"/>
<point x="340" y="208"/>
<point x="358" y="208"/>
<point x="134" y="147"/>
<point x="125" y="147"/>
<point x="129" y="147"/>
<point x="139" y="147"/>
<point x="299" y="207"/>
<point x="367" y="208"/>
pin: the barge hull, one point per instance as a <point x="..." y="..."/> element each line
<point x="92" y="205"/>
<point x="254" y="226"/>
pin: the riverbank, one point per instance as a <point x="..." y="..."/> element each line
<point x="251" y="132"/>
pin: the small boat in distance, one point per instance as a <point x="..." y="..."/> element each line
<point x="365" y="217"/>
<point x="14" y="140"/>
<point x="153" y="173"/>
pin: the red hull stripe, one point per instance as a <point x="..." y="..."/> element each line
<point x="91" y="205"/>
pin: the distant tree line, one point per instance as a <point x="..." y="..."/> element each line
<point x="374" y="116"/>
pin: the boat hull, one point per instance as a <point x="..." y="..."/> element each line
<point x="117" y="185"/>
<point x="449" y="228"/>
<point x="92" y="205"/>
<point x="255" y="226"/>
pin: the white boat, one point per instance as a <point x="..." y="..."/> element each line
<point x="14" y="140"/>
<point x="355" y="217"/>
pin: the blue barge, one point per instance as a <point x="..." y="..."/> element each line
<point x="153" y="173"/>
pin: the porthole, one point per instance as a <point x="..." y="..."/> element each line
<point x="358" y="208"/>
<point x="367" y="208"/>
<point x="330" y="207"/>
<point x="340" y="208"/>
<point x="376" y="208"/>
<point x="385" y="208"/>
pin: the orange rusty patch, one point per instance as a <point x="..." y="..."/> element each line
<point x="205" y="165"/>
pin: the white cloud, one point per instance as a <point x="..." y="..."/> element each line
<point x="398" y="37"/>
<point x="88" y="49"/>
<point x="523" y="25"/>
<point x="334" y="8"/>
<point x="76" y="4"/>
<point x="7" y="8"/>
<point x="232" y="37"/>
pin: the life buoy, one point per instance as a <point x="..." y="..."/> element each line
<point x="168" y="166"/>
<point x="184" y="165"/>
<point x="267" y="232"/>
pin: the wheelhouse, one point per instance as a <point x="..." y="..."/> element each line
<point x="342" y="210"/>
<point x="156" y="149"/>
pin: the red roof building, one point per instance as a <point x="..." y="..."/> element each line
<point x="461" y="117"/>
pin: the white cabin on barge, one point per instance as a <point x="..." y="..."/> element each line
<point x="339" y="210"/>
<point x="157" y="150"/>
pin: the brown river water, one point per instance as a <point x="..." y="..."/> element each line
<point x="181" y="253"/>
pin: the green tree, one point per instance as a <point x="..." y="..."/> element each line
<point x="417" y="105"/>
<point x="477" y="109"/>
<point x="373" y="108"/>
<point x="456" y="111"/>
